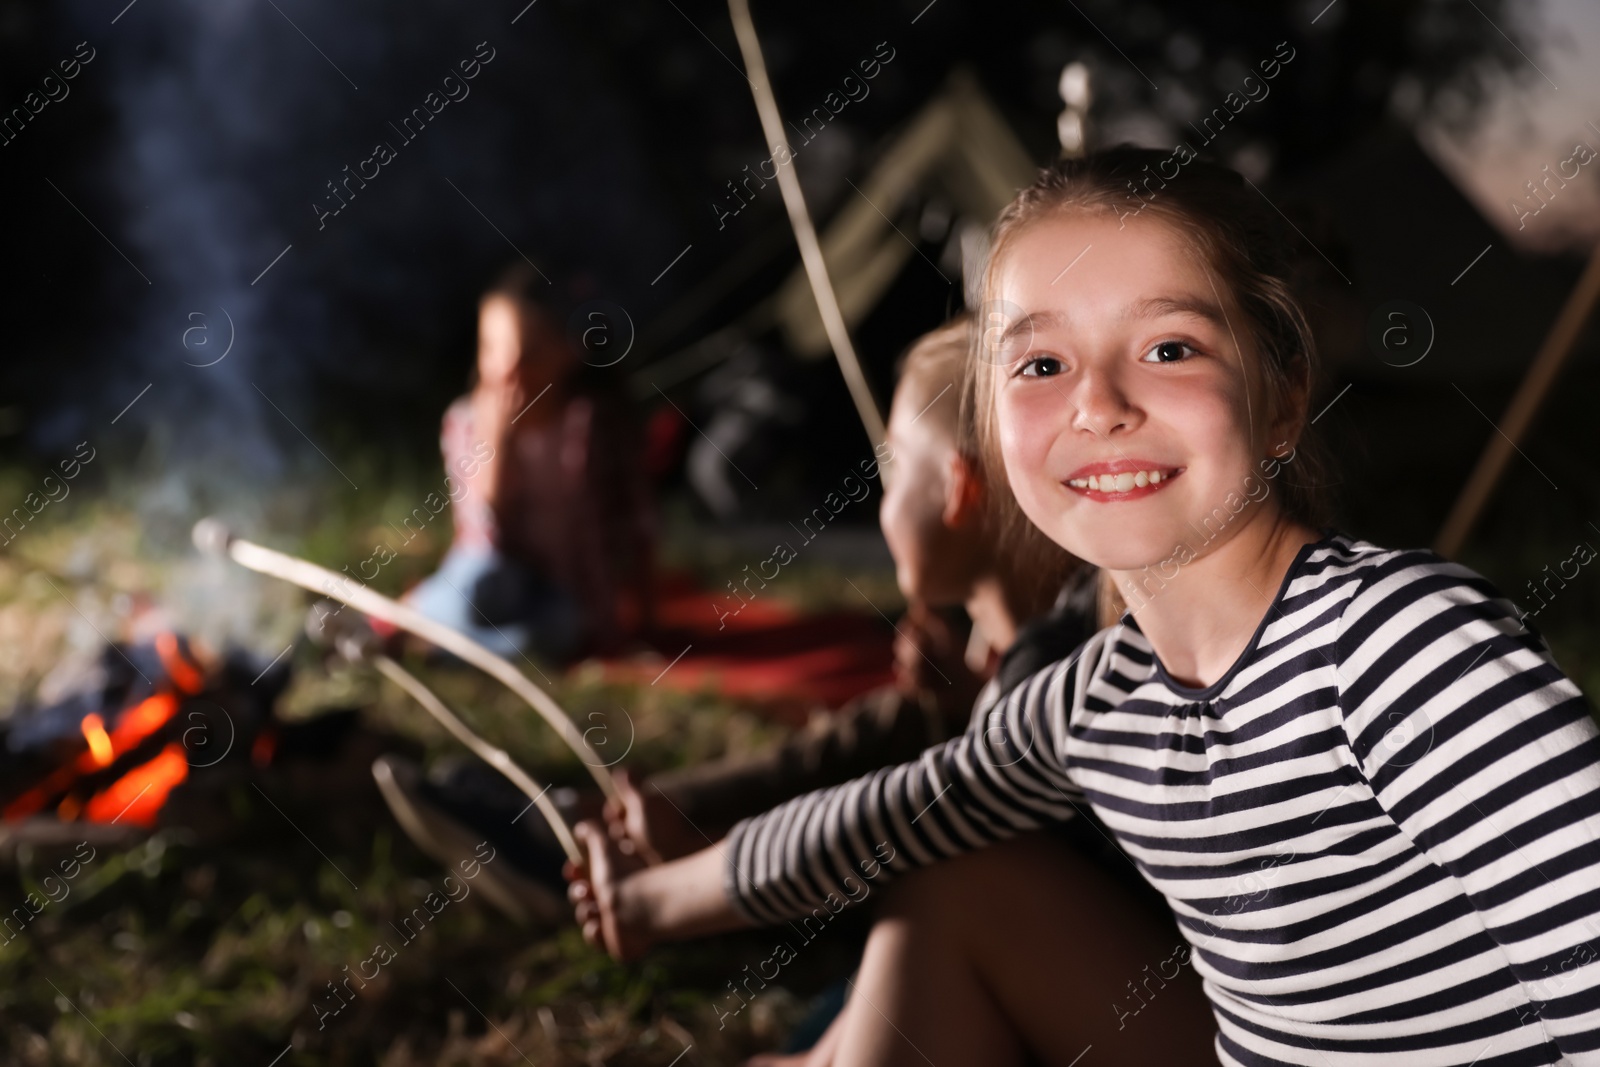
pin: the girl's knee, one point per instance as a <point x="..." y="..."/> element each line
<point x="967" y="885"/>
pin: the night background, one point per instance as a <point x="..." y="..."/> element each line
<point x="174" y="200"/>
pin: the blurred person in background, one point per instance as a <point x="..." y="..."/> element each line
<point x="554" y="541"/>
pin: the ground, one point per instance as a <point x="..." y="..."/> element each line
<point x="213" y="941"/>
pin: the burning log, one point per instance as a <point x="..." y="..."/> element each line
<point x="212" y="536"/>
<point x="112" y="754"/>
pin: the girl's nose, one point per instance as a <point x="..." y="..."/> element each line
<point x="1101" y="405"/>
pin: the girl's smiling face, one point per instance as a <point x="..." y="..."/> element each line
<point x="1130" y="406"/>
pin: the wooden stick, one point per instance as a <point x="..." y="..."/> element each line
<point x="804" y="232"/>
<point x="356" y="642"/>
<point x="212" y="536"/>
<point x="494" y="757"/>
<point x="1558" y="345"/>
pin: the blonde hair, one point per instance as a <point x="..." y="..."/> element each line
<point x="934" y="367"/>
<point x="933" y="364"/>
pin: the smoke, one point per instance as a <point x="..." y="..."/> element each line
<point x="199" y="114"/>
<point x="281" y="344"/>
<point x="275" y="367"/>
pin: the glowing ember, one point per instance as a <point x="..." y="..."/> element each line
<point x="142" y="720"/>
<point x="182" y="673"/>
<point x="94" y="731"/>
<point x="137" y="796"/>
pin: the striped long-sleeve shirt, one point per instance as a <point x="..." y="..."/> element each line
<point x="1379" y="830"/>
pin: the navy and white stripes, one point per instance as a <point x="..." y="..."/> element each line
<point x="1380" y="830"/>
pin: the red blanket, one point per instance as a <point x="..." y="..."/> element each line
<point x="769" y="653"/>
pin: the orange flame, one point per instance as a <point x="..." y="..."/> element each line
<point x="182" y="673"/>
<point x="142" y="720"/>
<point x="136" y="724"/>
<point x="94" y="731"/>
<point x="137" y="796"/>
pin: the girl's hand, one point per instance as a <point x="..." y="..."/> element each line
<point x="648" y="819"/>
<point x="495" y="407"/>
<point x="496" y="404"/>
<point x="929" y="656"/>
<point x="625" y="907"/>
<point x="923" y="644"/>
<point x="608" y="908"/>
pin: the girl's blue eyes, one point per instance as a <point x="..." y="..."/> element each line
<point x="1165" y="352"/>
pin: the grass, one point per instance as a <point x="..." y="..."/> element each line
<point x="213" y="941"/>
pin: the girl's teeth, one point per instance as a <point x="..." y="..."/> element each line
<point x="1118" y="483"/>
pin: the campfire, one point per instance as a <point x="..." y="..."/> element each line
<point x="114" y="753"/>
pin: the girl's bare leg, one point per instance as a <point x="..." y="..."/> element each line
<point x="819" y="1055"/>
<point x="1023" y="948"/>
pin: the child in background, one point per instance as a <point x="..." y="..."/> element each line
<point x="939" y="517"/>
<point x="1365" y="789"/>
<point x="552" y="515"/>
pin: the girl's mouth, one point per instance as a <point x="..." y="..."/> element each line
<point x="1122" y="480"/>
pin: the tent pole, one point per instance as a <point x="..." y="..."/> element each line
<point x="1542" y="374"/>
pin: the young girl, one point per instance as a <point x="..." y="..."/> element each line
<point x="1370" y="797"/>
<point x="552" y="518"/>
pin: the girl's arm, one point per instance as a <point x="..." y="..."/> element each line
<point x="1486" y="757"/>
<point x="813" y="856"/>
<point x="464" y="457"/>
<point x="828" y="849"/>
<point x="495" y="405"/>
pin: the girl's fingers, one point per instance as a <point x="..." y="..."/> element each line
<point x="593" y="840"/>
<point x="627" y="796"/>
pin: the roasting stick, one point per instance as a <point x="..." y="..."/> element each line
<point x="357" y="645"/>
<point x="355" y="642"/>
<point x="494" y="757"/>
<point x="212" y="536"/>
<point x="805" y="234"/>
